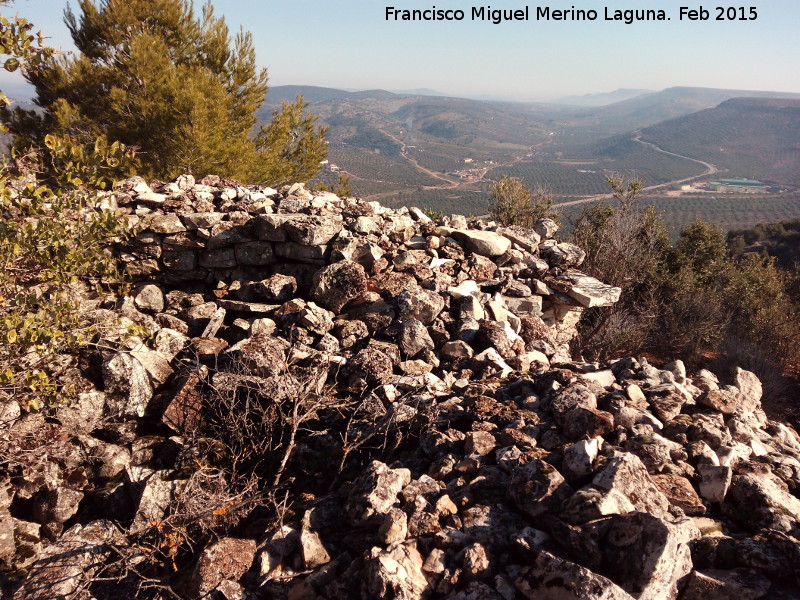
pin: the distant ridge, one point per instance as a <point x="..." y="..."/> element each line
<point x="312" y="93"/>
<point x="603" y="99"/>
<point x="420" y="92"/>
<point x="670" y="103"/>
<point x="757" y="138"/>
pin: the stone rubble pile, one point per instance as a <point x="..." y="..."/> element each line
<point x="522" y="474"/>
<point x="586" y="482"/>
<point x="261" y="248"/>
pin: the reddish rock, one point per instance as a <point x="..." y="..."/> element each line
<point x="227" y="559"/>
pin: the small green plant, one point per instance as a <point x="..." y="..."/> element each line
<point x="342" y="189"/>
<point x="435" y="215"/>
<point x="54" y="238"/>
<point x="514" y="204"/>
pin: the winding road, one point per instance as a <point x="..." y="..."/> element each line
<point x="710" y="169"/>
<point x="450" y="184"/>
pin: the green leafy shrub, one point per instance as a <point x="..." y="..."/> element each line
<point x="53" y="236"/>
<point x="512" y="203"/>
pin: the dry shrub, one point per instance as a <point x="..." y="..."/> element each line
<point x="688" y="325"/>
<point x="768" y="367"/>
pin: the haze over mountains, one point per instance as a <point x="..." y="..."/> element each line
<point x="602" y="99"/>
<point x="424" y="148"/>
<point x="443" y="152"/>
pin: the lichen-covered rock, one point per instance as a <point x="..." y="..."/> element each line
<point x="375" y="492"/>
<point x="338" y="284"/>
<point x="369" y="367"/>
<point x="538" y="487"/>
<point x="127" y="385"/>
<point x="626" y="475"/>
<point x="553" y="577"/>
<point x="413" y="337"/>
<point x="226" y="559"/>
<point x="680" y="493"/>
<point x="420" y="304"/>
<point x="718" y="584"/>
<point x="68" y="565"/>
<point x="262" y="355"/>
<point x="758" y="498"/>
<point x="395" y="573"/>
<point x="647" y="556"/>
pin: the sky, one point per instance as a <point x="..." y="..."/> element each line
<point x="350" y="44"/>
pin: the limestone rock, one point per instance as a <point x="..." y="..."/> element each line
<point x="394" y="528"/>
<point x="715" y="481"/>
<point x="718" y="584"/>
<point x="564" y="255"/>
<point x="680" y="493"/>
<point x="149" y="298"/>
<point x="420" y="304"/>
<point x="312" y="550"/>
<point x="545" y="228"/>
<point x="760" y="499"/>
<point x="648" y="556"/>
<point x="395" y="573"/>
<point x="370" y="366"/>
<point x="625" y="474"/>
<point x="124" y="376"/>
<point x="413" y="337"/>
<point x="591" y="292"/>
<point x="375" y="492"/>
<point x="263" y="355"/>
<point x="68" y="564"/>
<point x="559" y="579"/>
<point x="538" y="487"/>
<point x="338" y="284"/>
<point x="486" y="243"/>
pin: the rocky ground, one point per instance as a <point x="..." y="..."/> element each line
<point x="310" y="397"/>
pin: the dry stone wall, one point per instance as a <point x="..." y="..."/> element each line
<point x="236" y="238"/>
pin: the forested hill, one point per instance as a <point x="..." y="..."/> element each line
<point x="757" y="138"/>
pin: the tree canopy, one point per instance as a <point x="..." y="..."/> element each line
<point x="178" y="86"/>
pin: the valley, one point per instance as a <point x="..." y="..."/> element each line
<point x="443" y="153"/>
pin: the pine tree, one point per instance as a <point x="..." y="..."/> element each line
<point x="153" y="74"/>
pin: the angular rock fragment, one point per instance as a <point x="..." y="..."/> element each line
<point x="718" y="584"/>
<point x="486" y="243"/>
<point x="560" y="579"/>
<point x="336" y="285"/>
<point x="226" y="559"/>
<point x="625" y="474"/>
<point x="538" y="487"/>
<point x="375" y="492"/>
<point x="70" y="563"/>
<point x="125" y="377"/>
<point x="413" y="337"/>
<point x="395" y="573"/>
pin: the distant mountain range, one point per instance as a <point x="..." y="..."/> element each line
<point x="602" y="99"/>
<point x="420" y="92"/>
<point x="649" y="109"/>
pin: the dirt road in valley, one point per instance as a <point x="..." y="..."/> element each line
<point x="448" y="184"/>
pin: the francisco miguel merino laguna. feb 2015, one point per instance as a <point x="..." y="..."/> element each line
<point x="545" y="13"/>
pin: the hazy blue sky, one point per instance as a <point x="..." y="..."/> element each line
<point x="349" y="44"/>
